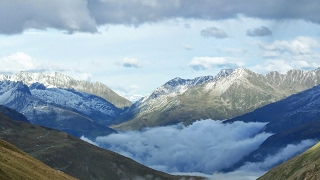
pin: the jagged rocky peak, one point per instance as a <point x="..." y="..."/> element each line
<point x="224" y="73"/>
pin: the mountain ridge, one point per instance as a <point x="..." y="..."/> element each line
<point x="18" y="96"/>
<point x="63" y="81"/>
<point x="229" y="94"/>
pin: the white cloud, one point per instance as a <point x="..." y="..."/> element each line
<point x="205" y="146"/>
<point x="209" y="63"/>
<point x="130" y="63"/>
<point x="19" y="62"/>
<point x="299" y="53"/>
<point x="14" y="63"/>
<point x="130" y="92"/>
<point x="88" y="140"/>
<point x="283" y="155"/>
<point x="298" y="46"/>
<point x="214" y="32"/>
<point x="281" y="66"/>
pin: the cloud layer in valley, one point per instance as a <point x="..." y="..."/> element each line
<point x="204" y="148"/>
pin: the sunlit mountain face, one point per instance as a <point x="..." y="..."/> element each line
<point x="222" y="88"/>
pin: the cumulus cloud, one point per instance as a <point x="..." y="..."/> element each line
<point x="299" y="53"/>
<point x="130" y="63"/>
<point x="214" y="32"/>
<point x="299" y="46"/>
<point x="87" y="15"/>
<point x="130" y="92"/>
<point x="260" y="31"/>
<point x="205" y="146"/>
<point x="19" y="62"/>
<point x="209" y="63"/>
<point x="283" y="66"/>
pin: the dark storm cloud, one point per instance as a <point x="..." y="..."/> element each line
<point x="260" y="31"/>
<point x="70" y="16"/>
<point x="87" y="15"/>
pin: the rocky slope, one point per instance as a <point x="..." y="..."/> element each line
<point x="59" y="109"/>
<point x="305" y="166"/>
<point x="73" y="156"/>
<point x="62" y="81"/>
<point x="231" y="93"/>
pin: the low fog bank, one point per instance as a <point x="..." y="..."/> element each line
<point x="205" y="147"/>
<point x="283" y="155"/>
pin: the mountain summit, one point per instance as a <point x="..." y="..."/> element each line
<point x="231" y="93"/>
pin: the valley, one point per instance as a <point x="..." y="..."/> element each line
<point x="235" y="121"/>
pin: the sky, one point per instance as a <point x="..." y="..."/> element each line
<point x="135" y="46"/>
<point x="203" y="148"/>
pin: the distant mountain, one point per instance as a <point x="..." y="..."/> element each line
<point x="65" y="110"/>
<point x="292" y="120"/>
<point x="62" y="81"/>
<point x="15" y="164"/>
<point x="231" y="93"/>
<point x="305" y="166"/>
<point x="73" y="156"/>
<point x="94" y="107"/>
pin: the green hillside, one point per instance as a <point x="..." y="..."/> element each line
<point x="15" y="164"/>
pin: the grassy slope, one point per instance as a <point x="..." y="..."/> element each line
<point x="72" y="155"/>
<point x="303" y="167"/>
<point x="15" y="164"/>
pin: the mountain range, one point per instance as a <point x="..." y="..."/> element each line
<point x="231" y="93"/>
<point x="69" y="154"/>
<point x="288" y="103"/>
<point x="59" y="80"/>
<point x="62" y="109"/>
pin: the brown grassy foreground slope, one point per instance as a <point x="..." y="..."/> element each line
<point x="15" y="164"/>
<point x="73" y="156"/>
<point x="302" y="167"/>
